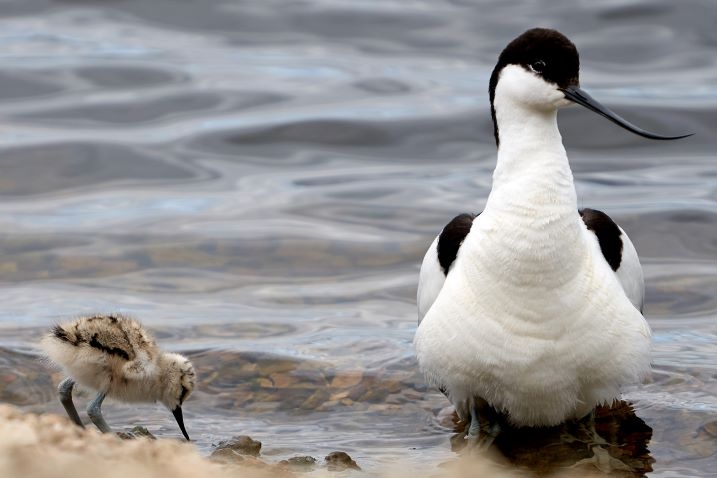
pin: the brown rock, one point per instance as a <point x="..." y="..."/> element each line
<point x="299" y="463"/>
<point x="708" y="429"/>
<point x="142" y="432"/>
<point x="315" y="399"/>
<point x="238" y="445"/>
<point x="346" y="379"/>
<point x="340" y="461"/>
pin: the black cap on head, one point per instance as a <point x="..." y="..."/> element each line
<point x="547" y="52"/>
<point x="552" y="56"/>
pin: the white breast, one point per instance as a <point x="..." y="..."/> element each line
<point x="531" y="318"/>
<point x="541" y="343"/>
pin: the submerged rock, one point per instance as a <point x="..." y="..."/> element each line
<point x="299" y="463"/>
<point x="614" y="440"/>
<point x="262" y="383"/>
<point x="708" y="429"/>
<point x="136" y="432"/>
<point x="140" y="431"/>
<point x="237" y="446"/>
<point x="340" y="461"/>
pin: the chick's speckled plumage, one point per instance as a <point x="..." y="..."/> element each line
<point x="116" y="355"/>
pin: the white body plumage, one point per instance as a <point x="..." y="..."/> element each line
<point x="531" y="317"/>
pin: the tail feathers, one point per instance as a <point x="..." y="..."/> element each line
<point x="60" y="333"/>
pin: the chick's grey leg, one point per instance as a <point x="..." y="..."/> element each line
<point x="65" y="391"/>
<point x="95" y="413"/>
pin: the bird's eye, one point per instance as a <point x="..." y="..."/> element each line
<point x="538" y="66"/>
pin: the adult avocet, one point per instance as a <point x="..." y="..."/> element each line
<point x="530" y="312"/>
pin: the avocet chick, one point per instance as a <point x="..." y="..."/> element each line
<point x="117" y="357"/>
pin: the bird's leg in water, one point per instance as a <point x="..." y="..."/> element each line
<point x="483" y="434"/>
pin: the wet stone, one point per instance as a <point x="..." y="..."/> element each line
<point x="238" y="445"/>
<point x="140" y="431"/>
<point x="703" y="443"/>
<point x="340" y="461"/>
<point x="299" y="463"/>
<point x="228" y="456"/>
<point x="136" y="432"/>
<point x="315" y="400"/>
<point x="347" y="379"/>
<point x="614" y="443"/>
<point x="708" y="429"/>
<point x="264" y="383"/>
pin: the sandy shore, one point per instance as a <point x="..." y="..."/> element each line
<point x="40" y="446"/>
<point x="48" y="445"/>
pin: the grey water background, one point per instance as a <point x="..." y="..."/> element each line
<point x="257" y="181"/>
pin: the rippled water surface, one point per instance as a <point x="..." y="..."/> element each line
<point x="257" y="181"/>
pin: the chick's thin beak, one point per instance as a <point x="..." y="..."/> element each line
<point x="177" y="412"/>
<point x="577" y="95"/>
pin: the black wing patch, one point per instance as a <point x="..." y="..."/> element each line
<point x="106" y="334"/>
<point x="59" y="333"/>
<point x="608" y="235"/>
<point x="451" y="239"/>
<point x="108" y="349"/>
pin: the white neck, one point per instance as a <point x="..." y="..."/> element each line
<point x="532" y="165"/>
<point x="531" y="211"/>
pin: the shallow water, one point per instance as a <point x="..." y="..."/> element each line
<point x="258" y="182"/>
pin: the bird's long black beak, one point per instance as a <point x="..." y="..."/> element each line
<point x="575" y="94"/>
<point x="177" y="412"/>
